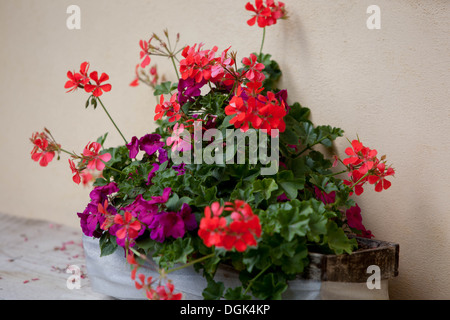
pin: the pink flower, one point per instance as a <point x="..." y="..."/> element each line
<point x="92" y="156"/>
<point x="181" y="140"/>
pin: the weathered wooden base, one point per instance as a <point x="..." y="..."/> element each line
<point x="354" y="267"/>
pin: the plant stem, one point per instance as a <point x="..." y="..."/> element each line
<point x="335" y="174"/>
<point x="191" y="263"/>
<point x="262" y="42"/>
<point x="72" y="154"/>
<point x="254" y="279"/>
<point x="114" y="169"/>
<point x="174" y="66"/>
<point x="309" y="147"/>
<point x="101" y="103"/>
<point x="362" y="178"/>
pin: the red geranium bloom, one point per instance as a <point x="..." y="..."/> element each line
<point x="360" y="155"/>
<point x="77" y="80"/>
<point x="162" y="294"/>
<point x="239" y="234"/>
<point x="254" y="72"/>
<point x="144" y="54"/>
<point x="262" y="13"/>
<point x="169" y="108"/>
<point x="92" y="156"/>
<point x="211" y="227"/>
<point x="76" y="178"/>
<point x="98" y="88"/>
<point x="355" y="182"/>
<point x="197" y="63"/>
<point x="43" y="150"/>
<point x="271" y="114"/>
<point x="130" y="226"/>
<point x="379" y="178"/>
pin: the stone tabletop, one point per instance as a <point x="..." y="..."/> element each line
<point x="42" y="260"/>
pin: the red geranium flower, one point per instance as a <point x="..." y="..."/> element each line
<point x="76" y="178"/>
<point x="254" y="72"/>
<point x="239" y="234"/>
<point x="77" y="80"/>
<point x="169" y="108"/>
<point x="43" y="150"/>
<point x="93" y="158"/>
<point x="130" y="226"/>
<point x="144" y="54"/>
<point x="98" y="88"/>
<point x="266" y="15"/>
<point x="379" y="178"/>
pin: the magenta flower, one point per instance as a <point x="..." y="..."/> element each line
<point x="150" y="143"/>
<point x="354" y="220"/>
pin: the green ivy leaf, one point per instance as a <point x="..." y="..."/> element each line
<point x="165" y="88"/>
<point x="265" y="187"/>
<point x="270" y="286"/>
<point x="107" y="244"/>
<point x="289" y="183"/>
<point x="338" y="241"/>
<point x="236" y="294"/>
<point x="214" y="290"/>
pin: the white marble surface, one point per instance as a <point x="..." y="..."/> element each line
<point x="34" y="258"/>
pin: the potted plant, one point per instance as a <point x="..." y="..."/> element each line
<point x="229" y="197"/>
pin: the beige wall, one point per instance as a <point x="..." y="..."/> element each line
<point x="389" y="86"/>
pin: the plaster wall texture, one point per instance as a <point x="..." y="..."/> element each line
<point x="389" y="86"/>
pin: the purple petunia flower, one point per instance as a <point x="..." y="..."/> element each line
<point x="180" y="168"/>
<point x="100" y="194"/>
<point x="326" y="198"/>
<point x="167" y="224"/>
<point x="189" y="88"/>
<point x="162" y="155"/>
<point x="188" y="217"/>
<point x="172" y="224"/>
<point x="150" y="143"/>
<point x="143" y="210"/>
<point x="133" y="146"/>
<point x="151" y="174"/>
<point x="162" y="199"/>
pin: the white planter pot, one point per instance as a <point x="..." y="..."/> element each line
<point x="110" y="275"/>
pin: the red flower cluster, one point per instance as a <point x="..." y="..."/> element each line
<point x="169" y="108"/>
<point x="197" y="63"/>
<point x="91" y="159"/>
<point x="364" y="166"/>
<point x="160" y="293"/>
<point x="83" y="80"/>
<point x="266" y="15"/>
<point x="44" y="148"/>
<point x="262" y="112"/>
<point x="130" y="226"/>
<point x="240" y="233"/>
